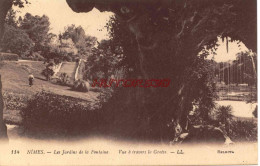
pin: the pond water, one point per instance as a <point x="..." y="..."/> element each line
<point x="240" y="108"/>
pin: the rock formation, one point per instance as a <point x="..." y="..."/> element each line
<point x="5" y="5"/>
<point x="170" y="34"/>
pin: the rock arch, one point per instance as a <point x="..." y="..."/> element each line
<point x="168" y="31"/>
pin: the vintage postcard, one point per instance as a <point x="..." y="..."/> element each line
<point x="128" y="82"/>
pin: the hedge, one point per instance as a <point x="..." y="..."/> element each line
<point x="48" y="113"/>
<point x="14" y="101"/>
<point x="81" y="86"/>
<point x="8" y="57"/>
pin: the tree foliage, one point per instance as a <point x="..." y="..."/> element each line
<point x="82" y="42"/>
<point x="123" y="43"/>
<point x="20" y="3"/>
<point x="26" y="36"/>
<point x="244" y="131"/>
<point x="11" y="18"/>
<point x="191" y="74"/>
<point x="37" y="27"/>
<point x="48" y="71"/>
<point x="16" y="41"/>
<point x="102" y="62"/>
<point x="32" y="33"/>
<point x="224" y="114"/>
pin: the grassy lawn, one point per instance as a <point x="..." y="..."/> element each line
<point x="15" y="83"/>
<point x="15" y="79"/>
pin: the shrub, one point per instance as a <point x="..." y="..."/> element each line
<point x="48" y="113"/>
<point x="37" y="57"/>
<point x="14" y="101"/>
<point x="81" y="86"/>
<point x="77" y="60"/>
<point x="26" y="57"/>
<point x="224" y="114"/>
<point x="57" y="60"/>
<point x="67" y="58"/>
<point x="104" y="94"/>
<point x="64" y="79"/>
<point x="47" y="73"/>
<point x="8" y="57"/>
<point x="243" y="130"/>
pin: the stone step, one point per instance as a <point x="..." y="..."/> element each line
<point x="70" y="69"/>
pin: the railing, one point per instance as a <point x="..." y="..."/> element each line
<point x="236" y="93"/>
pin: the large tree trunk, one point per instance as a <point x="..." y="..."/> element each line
<point x="5" y="5"/>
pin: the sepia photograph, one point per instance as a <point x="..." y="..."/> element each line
<point x="128" y="82"/>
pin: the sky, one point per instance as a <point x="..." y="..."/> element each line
<point x="93" y="22"/>
<point x="233" y="48"/>
<point x="61" y="15"/>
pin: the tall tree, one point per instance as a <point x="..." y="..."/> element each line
<point x="16" y="41"/>
<point x="84" y="43"/>
<point x="102" y="62"/>
<point x="37" y="27"/>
